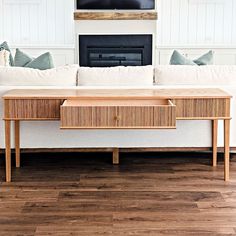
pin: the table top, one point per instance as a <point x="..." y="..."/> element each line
<point x="115" y="93"/>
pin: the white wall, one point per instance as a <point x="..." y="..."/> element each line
<point x="196" y="26"/>
<point x="193" y="26"/>
<point x="37" y="22"/>
<point x="197" y="23"/>
<point x="38" y="26"/>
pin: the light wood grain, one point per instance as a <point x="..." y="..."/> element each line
<point x="165" y="117"/>
<point x="115" y="102"/>
<point x="214" y="141"/>
<point x="132" y="116"/>
<point x="226" y="146"/>
<point x="118" y="114"/>
<point x="115" y="15"/>
<point x="8" y="150"/>
<point x="33" y="109"/>
<point x="17" y="143"/>
<point x="202" y="108"/>
<point x="94" y="94"/>
<point x="93" y="117"/>
<point x="115" y="157"/>
<point x="118" y="109"/>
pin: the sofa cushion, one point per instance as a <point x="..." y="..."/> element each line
<point x="178" y="59"/>
<point x="20" y="76"/>
<point x="21" y="59"/>
<point x="5" y="46"/>
<point x="195" y="75"/>
<point x="4" y="57"/>
<point x="116" y="76"/>
<point x="206" y="59"/>
<point x="43" y="62"/>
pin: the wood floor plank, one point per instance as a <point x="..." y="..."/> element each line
<point x="74" y="208"/>
<point x="146" y="194"/>
<point x="66" y="231"/>
<point x="162" y="219"/>
<point x="14" y="230"/>
<point x="169" y="196"/>
<point x="211" y="207"/>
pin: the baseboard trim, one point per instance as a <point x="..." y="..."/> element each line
<point x="125" y="150"/>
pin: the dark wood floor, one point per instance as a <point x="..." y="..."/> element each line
<point x="147" y="194"/>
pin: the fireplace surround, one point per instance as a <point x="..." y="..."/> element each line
<point x="115" y="50"/>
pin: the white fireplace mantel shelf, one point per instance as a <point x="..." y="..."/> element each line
<point x="152" y="15"/>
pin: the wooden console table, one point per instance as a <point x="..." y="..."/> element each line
<point x="116" y="109"/>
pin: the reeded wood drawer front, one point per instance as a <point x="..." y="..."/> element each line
<point x="87" y="117"/>
<point x="165" y="116"/>
<point x="135" y="116"/>
<point x="33" y="109"/>
<point x="202" y="108"/>
<point x="117" y="114"/>
<point x="152" y="116"/>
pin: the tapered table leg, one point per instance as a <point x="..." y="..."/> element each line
<point x="8" y="149"/>
<point x="226" y="148"/>
<point x="17" y="142"/>
<point x="116" y="156"/>
<point x="214" y="141"/>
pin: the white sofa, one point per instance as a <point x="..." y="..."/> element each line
<point x="188" y="133"/>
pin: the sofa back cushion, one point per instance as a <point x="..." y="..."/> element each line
<point x="195" y="75"/>
<point x="116" y="76"/>
<point x="5" y="46"/>
<point x="19" y="76"/>
<point x="4" y="58"/>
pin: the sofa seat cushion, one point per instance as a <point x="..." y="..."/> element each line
<point x="19" y="76"/>
<point x="116" y="76"/>
<point x="195" y="75"/>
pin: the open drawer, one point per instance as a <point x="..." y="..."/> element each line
<point x="118" y="113"/>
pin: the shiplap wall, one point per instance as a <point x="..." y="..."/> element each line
<point x="37" y="22"/>
<point x="47" y="25"/>
<point x="197" y="23"/>
<point x="37" y="26"/>
<point x="181" y="22"/>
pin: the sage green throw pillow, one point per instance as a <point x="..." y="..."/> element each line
<point x="5" y="46"/>
<point x="43" y="62"/>
<point x="179" y="59"/>
<point x="206" y="59"/>
<point x="21" y="59"/>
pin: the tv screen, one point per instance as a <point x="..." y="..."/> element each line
<point x="116" y="4"/>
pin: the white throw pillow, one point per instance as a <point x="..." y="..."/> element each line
<point x="195" y="75"/>
<point x="4" y="58"/>
<point x="116" y="76"/>
<point x="20" y="76"/>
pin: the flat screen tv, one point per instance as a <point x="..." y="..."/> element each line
<point x="116" y="4"/>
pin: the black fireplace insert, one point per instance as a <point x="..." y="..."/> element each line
<point x="115" y="50"/>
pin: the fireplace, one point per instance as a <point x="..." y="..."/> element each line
<point x="115" y="50"/>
